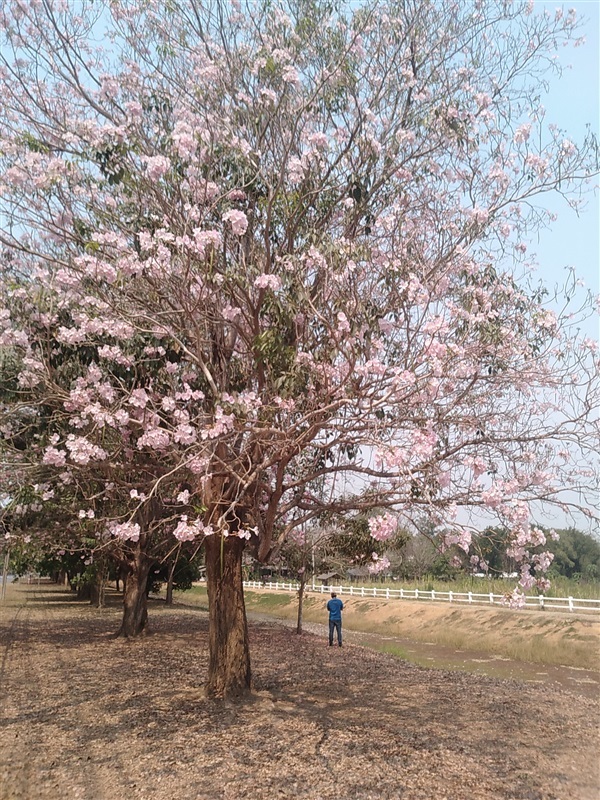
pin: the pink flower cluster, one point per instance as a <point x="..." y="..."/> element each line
<point x="238" y="221"/>
<point x="187" y="531"/>
<point x="155" y="439"/>
<point x="462" y="538"/>
<point x="126" y="531"/>
<point x="383" y="527"/>
<point x="82" y="451"/>
<point x="268" y="282"/>
<point x="156" y="167"/>
<point x="380" y="564"/>
<point x="514" y="599"/>
<point x="54" y="457"/>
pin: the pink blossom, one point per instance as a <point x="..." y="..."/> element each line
<point x="493" y="497"/>
<point x="379" y="564"/>
<point x="138" y="398"/>
<point x="295" y="170"/>
<point x="462" y="538"/>
<point x="542" y="561"/>
<point x="515" y="599"/>
<point x="238" y="221"/>
<point x="126" y="531"/>
<point x="343" y="325"/>
<point x="231" y="313"/>
<point x="185" y="434"/>
<point x="290" y="75"/>
<point x="54" y="457"/>
<point x="82" y="451"/>
<point x="318" y="140"/>
<point x="522" y="133"/>
<point x="156" y="167"/>
<point x="155" y="439"/>
<point x="383" y="526"/>
<point x="187" y="531"/>
<point x="268" y="282"/>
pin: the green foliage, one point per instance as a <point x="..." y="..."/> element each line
<point x="33" y="144"/>
<point x="186" y="572"/>
<point x="576" y="555"/>
<point x="354" y="545"/>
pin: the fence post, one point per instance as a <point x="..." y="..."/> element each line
<point x="416" y="594"/>
<point x="470" y="597"/>
<point x="387" y="592"/>
<point x="362" y="591"/>
<point x="374" y="591"/>
<point x="449" y="597"/>
<point x="351" y="590"/>
<point x="491" y="598"/>
<point x="433" y="594"/>
<point x="541" y="601"/>
<point x="401" y="594"/>
<point x="322" y="588"/>
<point x="570" y="604"/>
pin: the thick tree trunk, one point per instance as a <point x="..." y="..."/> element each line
<point x="84" y="590"/>
<point x="229" y="652"/>
<point x="135" y="599"/>
<point x="301" y="602"/>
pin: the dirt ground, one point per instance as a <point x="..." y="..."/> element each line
<point x="93" y="718"/>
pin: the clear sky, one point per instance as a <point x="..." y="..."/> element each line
<point x="573" y="103"/>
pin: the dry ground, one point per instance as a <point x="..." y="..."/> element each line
<point x="88" y="717"/>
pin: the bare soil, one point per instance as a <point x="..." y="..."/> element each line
<point x="93" y="718"/>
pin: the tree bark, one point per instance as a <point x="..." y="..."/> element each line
<point x="229" y="651"/>
<point x="301" y="601"/>
<point x="135" y="599"/>
<point x="172" y="565"/>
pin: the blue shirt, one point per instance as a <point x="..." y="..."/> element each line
<point x="335" y="606"/>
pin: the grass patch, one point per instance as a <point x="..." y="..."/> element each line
<point x="393" y="649"/>
<point x="262" y="601"/>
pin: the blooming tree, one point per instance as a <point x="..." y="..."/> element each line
<point x="312" y="218"/>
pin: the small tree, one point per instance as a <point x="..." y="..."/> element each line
<point x="302" y="552"/>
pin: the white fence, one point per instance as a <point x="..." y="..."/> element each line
<point x="537" y="601"/>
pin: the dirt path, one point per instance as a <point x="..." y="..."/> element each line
<point x="102" y="719"/>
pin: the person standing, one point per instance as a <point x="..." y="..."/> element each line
<point x="335" y="607"/>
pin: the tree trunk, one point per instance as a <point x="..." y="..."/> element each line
<point x="97" y="598"/>
<point x="84" y="590"/>
<point x="301" y="601"/>
<point x="229" y="652"/>
<point x="135" y="599"/>
<point x="169" y="599"/>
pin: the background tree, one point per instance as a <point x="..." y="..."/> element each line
<point x="178" y="571"/>
<point x="351" y="543"/>
<point x="576" y="555"/>
<point x="303" y="553"/>
<point x="310" y="217"/>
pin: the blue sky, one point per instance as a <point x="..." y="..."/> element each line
<point x="573" y="102"/>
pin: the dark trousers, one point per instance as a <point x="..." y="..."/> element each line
<point x="335" y="625"/>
